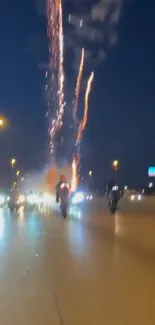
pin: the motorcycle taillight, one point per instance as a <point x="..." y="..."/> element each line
<point x="64" y="185"/>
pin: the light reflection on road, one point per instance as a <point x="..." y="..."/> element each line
<point x="100" y="266"/>
<point x="76" y="212"/>
<point x="2" y="224"/>
<point x="20" y="215"/>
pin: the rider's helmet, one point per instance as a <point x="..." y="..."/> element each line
<point x="62" y="178"/>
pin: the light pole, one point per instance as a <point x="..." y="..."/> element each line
<point x="90" y="179"/>
<point x="12" y="163"/>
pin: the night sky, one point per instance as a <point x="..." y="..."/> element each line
<point x="122" y="115"/>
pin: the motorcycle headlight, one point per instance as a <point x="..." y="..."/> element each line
<point x="115" y="188"/>
<point x="32" y="199"/>
<point x="21" y="199"/>
<point x="78" y="197"/>
<point x="47" y="198"/>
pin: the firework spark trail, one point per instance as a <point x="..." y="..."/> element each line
<point x="74" y="174"/>
<point x="56" y="49"/>
<point x="76" y="157"/>
<point x="83" y="123"/>
<point x="78" y="85"/>
<point x="60" y="67"/>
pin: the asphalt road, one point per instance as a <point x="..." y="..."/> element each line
<point x="90" y="269"/>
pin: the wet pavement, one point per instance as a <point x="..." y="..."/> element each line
<point x="92" y="268"/>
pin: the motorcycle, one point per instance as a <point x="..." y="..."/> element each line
<point x="113" y="201"/>
<point x="64" y="207"/>
<point x="12" y="206"/>
<point x="113" y="205"/>
<point x="16" y="202"/>
<point x="64" y="199"/>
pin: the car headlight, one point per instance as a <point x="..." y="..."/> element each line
<point x="2" y="199"/>
<point x="21" y="199"/>
<point x="47" y="198"/>
<point x="32" y="199"/>
<point x="78" y="197"/>
<point x="139" y="197"/>
<point x="132" y="197"/>
<point x="89" y="197"/>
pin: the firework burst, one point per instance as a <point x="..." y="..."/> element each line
<point x="55" y="85"/>
<point x="56" y="71"/>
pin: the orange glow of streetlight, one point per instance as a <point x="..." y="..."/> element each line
<point x="115" y="165"/>
<point x="12" y="162"/>
<point x="3" y="122"/>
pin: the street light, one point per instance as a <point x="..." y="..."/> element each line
<point x="1" y="122"/>
<point x="12" y="162"/>
<point x="115" y="165"/>
<point x="18" y="172"/>
<point x="90" y="173"/>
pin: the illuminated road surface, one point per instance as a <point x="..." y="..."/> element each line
<point x="92" y="269"/>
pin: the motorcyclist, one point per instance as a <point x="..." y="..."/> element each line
<point x="58" y="187"/>
<point x="109" y="189"/>
<point x="110" y="185"/>
<point x="114" y="194"/>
